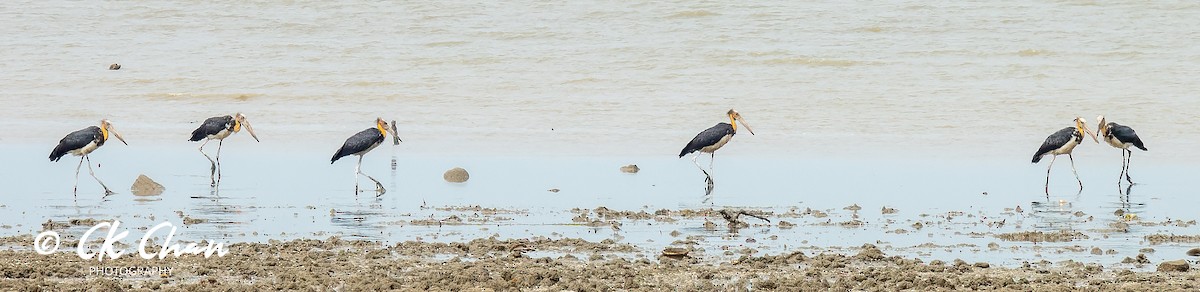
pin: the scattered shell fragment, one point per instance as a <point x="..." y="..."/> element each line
<point x="675" y="252"/>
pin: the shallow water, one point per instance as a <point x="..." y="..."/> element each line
<point x="267" y="195"/>
<point x="917" y="106"/>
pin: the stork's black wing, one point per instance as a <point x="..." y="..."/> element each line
<point x="358" y="143"/>
<point x="76" y="140"/>
<point x="707" y="138"/>
<point x="1125" y="134"/>
<point x="1054" y="141"/>
<point x="211" y="126"/>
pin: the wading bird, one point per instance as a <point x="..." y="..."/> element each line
<point x="1121" y="137"/>
<point x="83" y="142"/>
<point x="218" y="128"/>
<point x="708" y="141"/>
<point x="1062" y="142"/>
<point x="363" y="142"/>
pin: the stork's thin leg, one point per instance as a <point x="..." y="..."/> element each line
<point x="1122" y="173"/>
<point x="697" y="156"/>
<point x="358" y="170"/>
<point x="1052" y="158"/>
<point x="219" y="143"/>
<point x="76" y="191"/>
<point x="378" y="186"/>
<point x="1075" y="172"/>
<point x="213" y="170"/>
<point x="93" y="173"/>
<point x="712" y="159"/>
<point x="1127" y="161"/>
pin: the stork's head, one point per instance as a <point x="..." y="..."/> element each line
<point x="240" y="120"/>
<point x="107" y="127"/>
<point x="384" y="129"/>
<point x="1103" y="127"/>
<point x="735" y="117"/>
<point x="1081" y="126"/>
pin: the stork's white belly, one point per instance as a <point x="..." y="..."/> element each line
<point x="1066" y="148"/>
<point x="1117" y="143"/>
<point x="220" y="135"/>
<point x="712" y="148"/>
<point x="91" y="146"/>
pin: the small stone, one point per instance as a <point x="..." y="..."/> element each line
<point x="632" y="168"/>
<point x="887" y="210"/>
<point x="1174" y="266"/>
<point x="553" y="190"/>
<point x="456" y="175"/>
<point x="144" y="186"/>
<point x="1194" y="252"/>
<point x="114" y="66"/>
<point x="190" y="220"/>
<point x="786" y="225"/>
<point x="1141" y="259"/>
<point x="1097" y="251"/>
<point x="854" y="207"/>
<point x="983" y="265"/>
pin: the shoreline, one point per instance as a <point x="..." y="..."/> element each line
<point x="487" y="264"/>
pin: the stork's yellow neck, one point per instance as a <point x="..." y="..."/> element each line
<point x="104" y="133"/>
<point x="237" y="126"/>
<point x="382" y="130"/>
<point x="733" y="123"/>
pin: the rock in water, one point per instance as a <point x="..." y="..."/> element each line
<point x="1174" y="266"/>
<point x="114" y="66"/>
<point x="456" y="175"/>
<point x="632" y="168"/>
<point x="144" y="186"/>
<point x="1194" y="252"/>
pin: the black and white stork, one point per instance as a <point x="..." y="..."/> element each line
<point x="1121" y="137"/>
<point x="1063" y="142"/>
<point x="708" y="141"/>
<point x="219" y="128"/>
<point x="83" y="142"/>
<point x="363" y="142"/>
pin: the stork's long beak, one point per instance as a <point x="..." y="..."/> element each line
<point x="251" y="130"/>
<point x="395" y="137"/>
<point x="744" y="124"/>
<point x="118" y="134"/>
<point x="1082" y="124"/>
